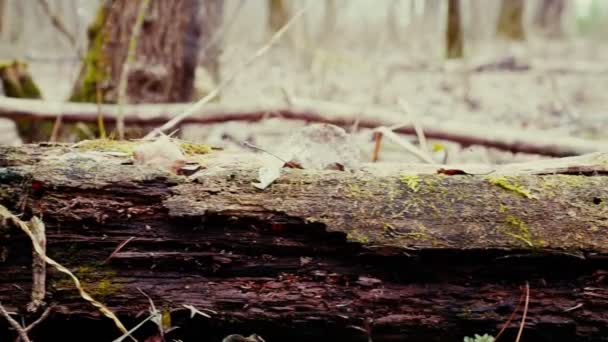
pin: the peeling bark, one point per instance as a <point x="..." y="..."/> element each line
<point x="399" y="248"/>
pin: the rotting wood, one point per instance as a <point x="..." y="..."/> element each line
<point x="420" y="255"/>
<point x="499" y="137"/>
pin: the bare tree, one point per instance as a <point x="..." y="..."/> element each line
<point x="165" y="58"/>
<point x="454" y="31"/>
<point x="510" y="20"/>
<point x="548" y="17"/>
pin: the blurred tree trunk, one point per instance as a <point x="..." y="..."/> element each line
<point x="510" y="20"/>
<point x="454" y="31"/>
<point x="277" y="14"/>
<point x="166" y="56"/>
<point x="548" y="17"/>
<point x="212" y="11"/>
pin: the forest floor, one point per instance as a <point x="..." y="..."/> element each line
<point x="556" y="87"/>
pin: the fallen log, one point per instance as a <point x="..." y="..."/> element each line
<point x="390" y="252"/>
<point x="511" y="139"/>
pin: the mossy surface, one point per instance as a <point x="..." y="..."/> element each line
<point x="94" y="69"/>
<point x="127" y="146"/>
<point x="508" y="183"/>
<point x="412" y="181"/>
<point x="17" y="81"/>
<point x="98" y="281"/>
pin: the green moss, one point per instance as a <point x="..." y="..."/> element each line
<point x="17" y="81"/>
<point x="357" y="237"/>
<point x="94" y="69"/>
<point x="126" y="146"/>
<point x="507" y="184"/>
<point x="97" y="281"/>
<point x="412" y="181"/>
<point x="354" y="191"/>
<point x="519" y="230"/>
<point x="191" y="149"/>
<point x="108" y="145"/>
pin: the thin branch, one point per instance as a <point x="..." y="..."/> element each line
<point x="506" y="325"/>
<point x="221" y="33"/>
<point x="5" y="214"/>
<point x="38" y="231"/>
<point x="126" y="67"/>
<point x="417" y="126"/>
<point x="512" y="139"/>
<point x="523" y="317"/>
<point x="58" y="24"/>
<point x="22" y="333"/>
<point x="42" y="317"/>
<point x="122" y="244"/>
<point x="56" y="128"/>
<point x="405" y="144"/>
<point x="202" y="102"/>
<point x="377" y="143"/>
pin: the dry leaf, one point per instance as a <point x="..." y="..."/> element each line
<point x="161" y="153"/>
<point x="314" y="147"/>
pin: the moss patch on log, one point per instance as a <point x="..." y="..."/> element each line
<point x="509" y="184"/>
<point x="128" y="146"/>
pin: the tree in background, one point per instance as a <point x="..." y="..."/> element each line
<point x="510" y="20"/>
<point x="278" y="15"/>
<point x="454" y="31"/>
<point x="165" y="59"/>
<point x="548" y="17"/>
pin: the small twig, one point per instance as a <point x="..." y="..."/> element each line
<point x="100" y="123"/>
<point x="506" y="325"/>
<point x="417" y="126"/>
<point x="126" y="67"/>
<point x="250" y="145"/>
<point x="405" y="144"/>
<point x="5" y="214"/>
<point x="154" y="312"/>
<point x="212" y="94"/>
<point x="58" y="24"/>
<point x="20" y="330"/>
<point x="56" y="128"/>
<point x="38" y="266"/>
<point x="221" y="33"/>
<point x="577" y="306"/>
<point x="378" y="142"/>
<point x="122" y="244"/>
<point x="42" y="317"/>
<point x="525" y="313"/>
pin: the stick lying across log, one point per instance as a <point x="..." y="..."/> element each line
<point x="503" y="138"/>
<point x="393" y="251"/>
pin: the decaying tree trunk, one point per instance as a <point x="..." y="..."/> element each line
<point x="389" y="252"/>
<point x="166" y="55"/>
<point x="510" y="21"/>
<point x="454" y="31"/>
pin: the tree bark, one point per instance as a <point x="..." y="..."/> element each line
<point x="388" y="252"/>
<point x="166" y="55"/>
<point x="510" y="20"/>
<point x="454" y="38"/>
<point x="548" y="17"/>
<point x="212" y="14"/>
